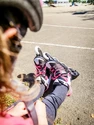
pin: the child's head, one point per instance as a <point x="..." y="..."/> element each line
<point x="27" y="13"/>
<point x="18" y="14"/>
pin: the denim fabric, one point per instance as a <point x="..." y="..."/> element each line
<point x="54" y="100"/>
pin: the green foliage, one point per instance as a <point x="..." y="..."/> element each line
<point x="70" y="1"/>
<point x="91" y="1"/>
<point x="57" y="121"/>
<point x="49" y="1"/>
<point x="75" y="1"/>
<point x="84" y="1"/>
<point x="78" y="1"/>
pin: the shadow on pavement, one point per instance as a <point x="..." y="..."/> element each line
<point x="83" y="12"/>
<point x="88" y="15"/>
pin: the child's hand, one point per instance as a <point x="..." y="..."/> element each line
<point x="9" y="33"/>
<point x="41" y="113"/>
<point x="18" y="110"/>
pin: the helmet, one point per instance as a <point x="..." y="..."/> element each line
<point x="30" y="9"/>
<point x="21" y="14"/>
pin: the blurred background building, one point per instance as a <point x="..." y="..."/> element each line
<point x="65" y="1"/>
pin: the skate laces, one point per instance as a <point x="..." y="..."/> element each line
<point x="40" y="66"/>
<point x="57" y="69"/>
<point x="56" y="73"/>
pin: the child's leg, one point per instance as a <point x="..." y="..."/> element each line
<point x="54" y="100"/>
<point x="50" y="68"/>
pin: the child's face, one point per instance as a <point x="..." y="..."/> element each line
<point x="13" y="43"/>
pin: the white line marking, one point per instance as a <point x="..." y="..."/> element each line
<point x="73" y="27"/>
<point x="60" y="45"/>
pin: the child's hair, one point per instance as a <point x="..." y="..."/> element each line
<point x="5" y="68"/>
<point x="8" y="54"/>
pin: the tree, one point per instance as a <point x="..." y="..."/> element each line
<point x="91" y="1"/>
<point x="49" y="2"/>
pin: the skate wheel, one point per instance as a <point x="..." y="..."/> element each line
<point x="38" y="51"/>
<point x="47" y="56"/>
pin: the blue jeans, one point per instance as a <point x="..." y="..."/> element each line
<point x="54" y="100"/>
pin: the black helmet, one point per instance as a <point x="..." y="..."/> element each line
<point x="30" y="9"/>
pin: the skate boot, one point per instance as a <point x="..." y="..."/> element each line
<point x="50" y="68"/>
<point x="41" y="71"/>
<point x="60" y="72"/>
<point x="74" y="73"/>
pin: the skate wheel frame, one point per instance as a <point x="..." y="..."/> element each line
<point x="46" y="55"/>
<point x="38" y="51"/>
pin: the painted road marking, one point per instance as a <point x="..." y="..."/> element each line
<point x="59" y="45"/>
<point x="72" y="27"/>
